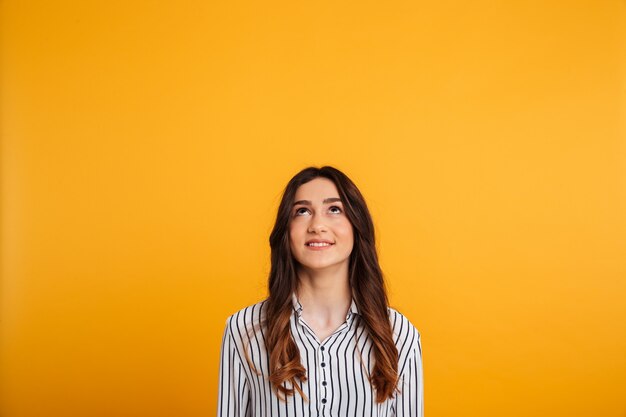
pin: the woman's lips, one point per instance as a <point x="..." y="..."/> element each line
<point x="319" y="246"/>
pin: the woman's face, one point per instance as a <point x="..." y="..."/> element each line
<point x="320" y="234"/>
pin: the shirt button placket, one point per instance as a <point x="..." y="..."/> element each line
<point x="324" y="399"/>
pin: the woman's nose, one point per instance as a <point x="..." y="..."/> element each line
<point x="316" y="225"/>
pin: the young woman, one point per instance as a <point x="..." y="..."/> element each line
<point x="325" y="342"/>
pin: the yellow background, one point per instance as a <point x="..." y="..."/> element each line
<point x="145" y="145"/>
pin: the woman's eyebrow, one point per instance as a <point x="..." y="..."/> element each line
<point x="326" y="201"/>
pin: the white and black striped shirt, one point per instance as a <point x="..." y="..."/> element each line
<point x="337" y="382"/>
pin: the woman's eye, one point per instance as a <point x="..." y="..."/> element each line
<point x="301" y="211"/>
<point x="335" y="210"/>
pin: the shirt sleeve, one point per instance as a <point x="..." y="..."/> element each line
<point x="234" y="389"/>
<point x="410" y="401"/>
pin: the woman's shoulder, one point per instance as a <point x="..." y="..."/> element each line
<point x="405" y="333"/>
<point x="246" y="318"/>
<point x="407" y="339"/>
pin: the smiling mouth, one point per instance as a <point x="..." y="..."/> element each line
<point x="318" y="244"/>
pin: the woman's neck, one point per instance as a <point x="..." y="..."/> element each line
<point x="325" y="297"/>
<point x="326" y="284"/>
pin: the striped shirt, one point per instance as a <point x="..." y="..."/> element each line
<point x="337" y="369"/>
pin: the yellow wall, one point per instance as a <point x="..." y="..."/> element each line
<point x="145" y="145"/>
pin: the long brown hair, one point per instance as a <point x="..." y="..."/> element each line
<point x="366" y="281"/>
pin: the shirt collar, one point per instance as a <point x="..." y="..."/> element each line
<point x="297" y="307"/>
<point x="353" y="309"/>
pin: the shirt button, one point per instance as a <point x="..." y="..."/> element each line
<point x="322" y="348"/>
<point x="324" y="383"/>
<point x="323" y="364"/>
<point x="323" y="400"/>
